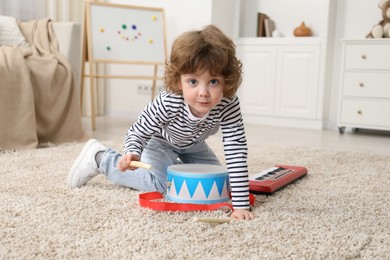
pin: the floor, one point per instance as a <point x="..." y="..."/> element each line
<point x="376" y="142"/>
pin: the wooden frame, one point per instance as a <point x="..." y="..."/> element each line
<point x="150" y="52"/>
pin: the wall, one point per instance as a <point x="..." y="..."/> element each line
<point x="349" y="19"/>
<point x="286" y="14"/>
<point x="21" y="9"/>
<point x="64" y="10"/>
<point x="121" y="98"/>
<point x="346" y="19"/>
<point x="227" y="16"/>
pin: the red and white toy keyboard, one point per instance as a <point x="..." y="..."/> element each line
<point x="275" y="178"/>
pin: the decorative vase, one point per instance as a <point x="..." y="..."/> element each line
<point x="302" y="31"/>
<point x="276" y="34"/>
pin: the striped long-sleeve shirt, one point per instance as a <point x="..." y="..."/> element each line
<point x="169" y="118"/>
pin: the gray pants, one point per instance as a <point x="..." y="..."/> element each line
<point x="160" y="155"/>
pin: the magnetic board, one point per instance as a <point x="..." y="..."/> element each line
<point x="124" y="33"/>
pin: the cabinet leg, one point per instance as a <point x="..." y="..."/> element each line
<point x="354" y="129"/>
<point x="342" y="129"/>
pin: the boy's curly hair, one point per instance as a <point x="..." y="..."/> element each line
<point x="208" y="49"/>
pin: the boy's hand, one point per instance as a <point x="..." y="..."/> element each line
<point x="242" y="214"/>
<point x="124" y="162"/>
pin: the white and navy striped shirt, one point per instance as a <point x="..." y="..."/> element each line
<point x="169" y="118"/>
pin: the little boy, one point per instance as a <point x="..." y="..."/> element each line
<point x="201" y="79"/>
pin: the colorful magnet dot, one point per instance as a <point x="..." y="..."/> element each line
<point x="134" y="27"/>
<point x="150" y="41"/>
<point x="101" y="29"/>
<point x="124" y="26"/>
<point x="108" y="48"/>
<point x="154" y="18"/>
<point x="119" y="32"/>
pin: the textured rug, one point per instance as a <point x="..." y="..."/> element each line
<point x="340" y="210"/>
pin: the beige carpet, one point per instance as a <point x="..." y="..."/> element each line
<point x="340" y="210"/>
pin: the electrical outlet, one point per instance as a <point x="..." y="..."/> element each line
<point x="144" y="89"/>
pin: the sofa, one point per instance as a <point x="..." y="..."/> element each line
<point x="39" y="92"/>
<point x="69" y="41"/>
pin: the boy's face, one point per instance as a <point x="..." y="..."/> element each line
<point x="201" y="91"/>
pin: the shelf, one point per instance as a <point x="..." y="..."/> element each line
<point x="367" y="40"/>
<point x="279" y="41"/>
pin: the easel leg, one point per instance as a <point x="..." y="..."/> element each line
<point x="82" y="78"/>
<point x="81" y="90"/>
<point x="154" y="82"/>
<point x="92" y="89"/>
<point x="83" y="60"/>
<point x="87" y="56"/>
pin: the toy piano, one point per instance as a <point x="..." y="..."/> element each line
<point x="275" y="178"/>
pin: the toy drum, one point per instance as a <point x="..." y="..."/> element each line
<point x="197" y="183"/>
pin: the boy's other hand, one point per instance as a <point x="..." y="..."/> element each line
<point x="242" y="214"/>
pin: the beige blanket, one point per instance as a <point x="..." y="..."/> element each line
<point x="39" y="101"/>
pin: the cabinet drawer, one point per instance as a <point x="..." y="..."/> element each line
<point x="365" y="112"/>
<point x="367" y="56"/>
<point x="367" y="84"/>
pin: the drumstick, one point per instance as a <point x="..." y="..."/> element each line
<point x="140" y="165"/>
<point x="213" y="220"/>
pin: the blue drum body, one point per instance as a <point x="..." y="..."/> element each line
<point x="197" y="183"/>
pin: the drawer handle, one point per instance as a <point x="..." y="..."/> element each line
<point x="364" y="56"/>
<point x="360" y="112"/>
<point x="361" y="84"/>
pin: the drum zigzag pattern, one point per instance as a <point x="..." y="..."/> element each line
<point x="198" y="190"/>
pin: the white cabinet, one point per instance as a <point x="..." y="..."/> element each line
<point x="282" y="82"/>
<point x="365" y="85"/>
<point x="257" y="89"/>
<point x="296" y="87"/>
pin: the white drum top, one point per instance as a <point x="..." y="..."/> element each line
<point x="198" y="168"/>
